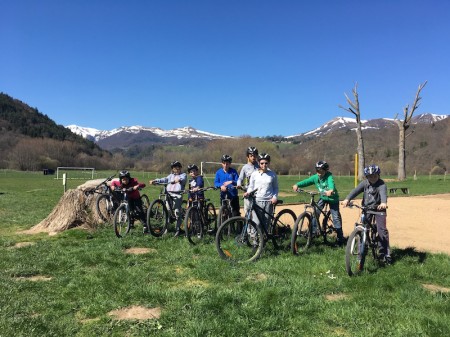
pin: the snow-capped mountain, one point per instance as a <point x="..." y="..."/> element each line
<point x="379" y="123"/>
<point x="179" y="133"/>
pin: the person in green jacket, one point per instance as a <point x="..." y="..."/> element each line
<point x="328" y="195"/>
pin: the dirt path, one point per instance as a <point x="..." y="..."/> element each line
<point x="419" y="222"/>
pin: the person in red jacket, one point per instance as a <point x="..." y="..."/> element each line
<point x="132" y="186"/>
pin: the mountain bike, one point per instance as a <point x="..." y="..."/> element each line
<point x="106" y="202"/>
<point x="200" y="218"/>
<point x="161" y="212"/>
<point x="313" y="222"/>
<point x="225" y="210"/>
<point x="125" y="216"/>
<point x="239" y="239"/>
<point x="363" y="239"/>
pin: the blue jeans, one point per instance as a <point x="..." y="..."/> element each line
<point x="335" y="214"/>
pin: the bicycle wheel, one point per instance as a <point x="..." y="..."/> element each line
<point x="157" y="218"/>
<point x="245" y="246"/>
<point x="355" y="252"/>
<point x="105" y="207"/>
<point x="301" y="234"/>
<point x="145" y="202"/>
<point x="224" y="215"/>
<point x="193" y="225"/>
<point x="122" y="221"/>
<point x="282" y="227"/>
<point x="211" y="216"/>
<point x="329" y="233"/>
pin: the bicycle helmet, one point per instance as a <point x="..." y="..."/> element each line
<point x="322" y="164"/>
<point x="263" y="156"/>
<point x="192" y="167"/>
<point x="252" y="150"/>
<point x="371" y="169"/>
<point x="175" y="163"/>
<point x="226" y="158"/>
<point x="124" y="174"/>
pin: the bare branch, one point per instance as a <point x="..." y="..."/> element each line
<point x="416" y="103"/>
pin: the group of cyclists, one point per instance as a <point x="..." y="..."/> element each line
<point x="256" y="176"/>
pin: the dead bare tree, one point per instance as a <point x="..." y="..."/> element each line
<point x="404" y="125"/>
<point x="354" y="109"/>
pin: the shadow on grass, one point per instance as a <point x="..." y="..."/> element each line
<point x="398" y="254"/>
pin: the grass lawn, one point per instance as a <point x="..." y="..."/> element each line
<point x="67" y="285"/>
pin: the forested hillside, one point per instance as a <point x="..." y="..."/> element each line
<point x="30" y="140"/>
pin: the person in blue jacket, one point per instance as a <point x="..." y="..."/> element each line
<point x="226" y="179"/>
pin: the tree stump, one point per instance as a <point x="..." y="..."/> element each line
<point x="75" y="209"/>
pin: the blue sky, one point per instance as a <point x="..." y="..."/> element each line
<point x="259" y="68"/>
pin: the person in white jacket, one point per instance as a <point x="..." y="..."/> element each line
<point x="265" y="181"/>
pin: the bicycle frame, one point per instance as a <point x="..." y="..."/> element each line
<point x="168" y="200"/>
<point x="315" y="211"/>
<point x="357" y="249"/>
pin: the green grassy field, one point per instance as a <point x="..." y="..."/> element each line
<point x="88" y="274"/>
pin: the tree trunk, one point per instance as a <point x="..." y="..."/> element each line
<point x="360" y="150"/>
<point x="401" y="154"/>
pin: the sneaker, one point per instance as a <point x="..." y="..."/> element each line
<point x="177" y="233"/>
<point x="388" y="260"/>
<point x="145" y="230"/>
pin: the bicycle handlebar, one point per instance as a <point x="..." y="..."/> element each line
<point x="366" y="209"/>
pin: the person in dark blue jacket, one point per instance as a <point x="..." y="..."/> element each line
<point x="226" y="179"/>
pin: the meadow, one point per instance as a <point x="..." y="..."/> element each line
<point x="68" y="284"/>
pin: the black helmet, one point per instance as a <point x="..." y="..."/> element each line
<point x="371" y="169"/>
<point x="252" y="150"/>
<point x="264" y="156"/>
<point x="175" y="163"/>
<point x="124" y="174"/>
<point x="192" y="167"/>
<point x="322" y="164"/>
<point x="227" y="158"/>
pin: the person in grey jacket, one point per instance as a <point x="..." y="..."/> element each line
<point x="176" y="180"/>
<point x="375" y="195"/>
<point x="246" y="171"/>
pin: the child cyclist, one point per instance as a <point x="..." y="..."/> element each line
<point x="176" y="182"/>
<point x="125" y="182"/>
<point x="195" y="183"/>
<point x="375" y="195"/>
<point x="226" y="179"/>
<point x="247" y="170"/>
<point x="324" y="182"/>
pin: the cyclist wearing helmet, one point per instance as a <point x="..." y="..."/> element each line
<point x="134" y="197"/>
<point x="226" y="179"/>
<point x="247" y="170"/>
<point x="324" y="182"/>
<point x="176" y="181"/>
<point x="195" y="183"/>
<point x="374" y="194"/>
<point x="266" y="183"/>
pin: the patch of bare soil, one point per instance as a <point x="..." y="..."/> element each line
<point x="139" y="251"/>
<point x="34" y="278"/>
<point x="435" y="288"/>
<point x="336" y="297"/>
<point x="257" y="277"/>
<point x="136" y="313"/>
<point x="419" y="222"/>
<point x="22" y="244"/>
